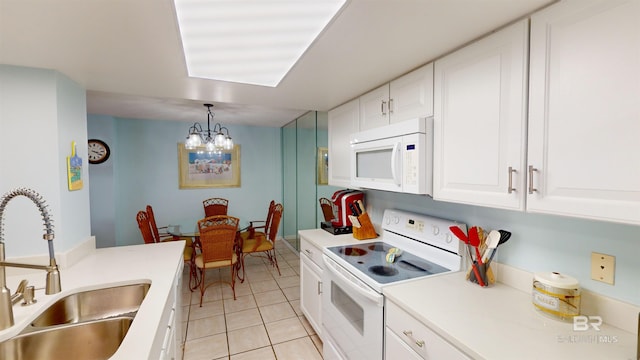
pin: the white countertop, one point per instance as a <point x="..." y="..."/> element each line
<point x="149" y="263"/>
<point x="499" y="322"/>
<point x="321" y="238"/>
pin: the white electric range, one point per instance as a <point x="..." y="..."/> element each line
<point x="352" y="300"/>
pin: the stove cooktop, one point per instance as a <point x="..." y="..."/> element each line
<point x="370" y="260"/>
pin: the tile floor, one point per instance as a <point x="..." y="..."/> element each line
<point x="263" y="323"/>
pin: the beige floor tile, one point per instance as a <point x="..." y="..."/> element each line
<point x="287" y="271"/>
<point x="265" y="353"/>
<point x="270" y="297"/>
<point x="205" y="327"/>
<point x="289" y="281"/>
<point x="243" y="319"/>
<point x="307" y="326"/>
<point x="207" y="348"/>
<point x="294" y="263"/>
<point x="213" y="293"/>
<point x="297" y="349"/>
<point x="241" y="303"/>
<point x="246" y="339"/>
<point x="242" y="289"/>
<point x="295" y="304"/>
<point x="262" y="286"/>
<point x="275" y="312"/>
<point x="285" y="330"/>
<point x="208" y="309"/>
<point x="290" y="256"/>
<point x="317" y="342"/>
<point x="292" y="293"/>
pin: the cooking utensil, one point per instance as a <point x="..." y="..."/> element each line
<point x="474" y="240"/>
<point x="504" y="236"/>
<point x="491" y="243"/>
<point x="457" y="231"/>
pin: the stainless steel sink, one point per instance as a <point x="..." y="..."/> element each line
<point x="86" y="325"/>
<point x="89" y="340"/>
<point x="93" y="305"/>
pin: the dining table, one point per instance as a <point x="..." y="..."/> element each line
<point x="188" y="228"/>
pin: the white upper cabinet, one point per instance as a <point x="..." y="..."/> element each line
<point x="343" y="121"/>
<point x="410" y="96"/>
<point x="584" y="110"/>
<point x="480" y="113"/>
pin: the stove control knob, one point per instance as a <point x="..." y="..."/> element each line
<point x="387" y="220"/>
<point x="448" y="238"/>
<point x="396" y="219"/>
<point x="436" y="230"/>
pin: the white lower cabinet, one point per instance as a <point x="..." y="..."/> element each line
<point x="311" y="284"/>
<point x="408" y="338"/>
<point x="172" y="341"/>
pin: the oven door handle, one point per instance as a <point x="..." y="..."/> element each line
<point x="368" y="293"/>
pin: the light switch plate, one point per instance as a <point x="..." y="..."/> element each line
<point x="603" y="267"/>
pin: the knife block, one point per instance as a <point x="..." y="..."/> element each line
<point x="366" y="229"/>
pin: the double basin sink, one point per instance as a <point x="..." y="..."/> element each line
<point x="85" y="325"/>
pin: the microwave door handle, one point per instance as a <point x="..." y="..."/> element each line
<point x="394" y="163"/>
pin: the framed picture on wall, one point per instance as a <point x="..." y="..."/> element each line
<point x="199" y="168"/>
<point x="323" y="166"/>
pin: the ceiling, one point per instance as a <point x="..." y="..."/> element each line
<point x="128" y="56"/>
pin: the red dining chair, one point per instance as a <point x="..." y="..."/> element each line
<point x="259" y="242"/>
<point x="157" y="234"/>
<point x="215" y="206"/>
<point x="145" y="227"/>
<point x="219" y="249"/>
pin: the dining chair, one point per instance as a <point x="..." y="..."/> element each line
<point x="157" y="234"/>
<point x="327" y="208"/>
<point x="215" y="206"/>
<point x="256" y="228"/>
<point x="219" y="249"/>
<point x="257" y="242"/>
<point x="145" y="227"/>
<point x="189" y="248"/>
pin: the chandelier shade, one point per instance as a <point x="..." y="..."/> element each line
<point x="198" y="136"/>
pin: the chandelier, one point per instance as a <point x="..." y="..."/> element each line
<point x="197" y="136"/>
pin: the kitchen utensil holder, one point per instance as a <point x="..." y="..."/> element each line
<point x="366" y="229"/>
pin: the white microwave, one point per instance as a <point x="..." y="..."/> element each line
<point x="396" y="157"/>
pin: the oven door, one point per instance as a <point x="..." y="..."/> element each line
<point x="352" y="315"/>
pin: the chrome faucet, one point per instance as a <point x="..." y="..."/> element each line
<point x="53" y="275"/>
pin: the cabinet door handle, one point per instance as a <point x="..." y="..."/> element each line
<point x="408" y="333"/>
<point x="420" y="343"/>
<point x="382" y="107"/>
<point x="319" y="287"/>
<point x="531" y="171"/>
<point x="511" y="172"/>
<point x="390" y="106"/>
<point x="307" y="251"/>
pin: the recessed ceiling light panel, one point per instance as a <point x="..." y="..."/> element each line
<point x="249" y="41"/>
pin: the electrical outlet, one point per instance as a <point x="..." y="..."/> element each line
<point x="603" y="267"/>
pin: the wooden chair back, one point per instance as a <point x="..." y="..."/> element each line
<point x="218" y="237"/>
<point x="145" y="227"/>
<point x="327" y="209"/>
<point x="215" y="206"/>
<point x="276" y="216"/>
<point x="152" y="222"/>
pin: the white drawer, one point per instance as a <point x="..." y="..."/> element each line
<point x="310" y="251"/>
<point x="418" y="336"/>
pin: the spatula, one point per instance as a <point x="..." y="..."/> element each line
<point x="474" y="240"/>
<point x="492" y="242"/>
<point x="463" y="237"/>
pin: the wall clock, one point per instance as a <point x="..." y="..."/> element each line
<point x="99" y="151"/>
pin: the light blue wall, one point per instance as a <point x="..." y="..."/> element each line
<point x="145" y="171"/>
<point x="540" y="243"/>
<point x="41" y="113"/>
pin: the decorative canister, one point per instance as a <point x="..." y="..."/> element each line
<point x="556" y="295"/>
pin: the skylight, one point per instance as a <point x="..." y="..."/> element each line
<point x="249" y="41"/>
